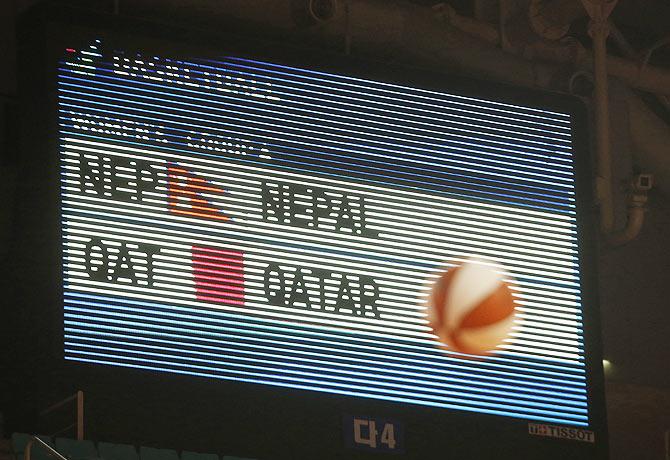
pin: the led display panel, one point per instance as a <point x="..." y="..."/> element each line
<point x="246" y="220"/>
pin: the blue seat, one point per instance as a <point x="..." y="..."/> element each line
<point x="151" y="453"/>
<point x="187" y="455"/>
<point x="76" y="450"/>
<point x="111" y="451"/>
<point x="37" y="451"/>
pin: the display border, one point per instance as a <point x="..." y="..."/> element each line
<point x="43" y="33"/>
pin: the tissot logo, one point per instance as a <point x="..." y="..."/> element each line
<point x="561" y="432"/>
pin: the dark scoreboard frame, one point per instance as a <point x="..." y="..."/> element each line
<point x="168" y="410"/>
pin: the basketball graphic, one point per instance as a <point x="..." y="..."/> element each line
<point x="471" y="307"/>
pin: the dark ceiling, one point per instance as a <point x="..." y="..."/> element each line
<point x="643" y="22"/>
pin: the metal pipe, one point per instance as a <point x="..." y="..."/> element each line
<point x="551" y="19"/>
<point x="487" y="32"/>
<point x="80" y="415"/>
<point x="599" y="30"/>
<point x="630" y="53"/>
<point x="406" y="32"/>
<point x="403" y="31"/>
<point x="390" y="25"/>
<point x="647" y="78"/>
<point x="419" y="35"/>
<point x="486" y="11"/>
<point x="621" y="41"/>
<point x="633" y="225"/>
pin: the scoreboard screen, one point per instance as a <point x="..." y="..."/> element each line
<point x="242" y="219"/>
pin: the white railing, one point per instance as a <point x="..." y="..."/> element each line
<point x="50" y="450"/>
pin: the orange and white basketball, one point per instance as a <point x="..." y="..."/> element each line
<point x="471" y="307"/>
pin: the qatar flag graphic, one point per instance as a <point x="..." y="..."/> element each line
<point x="218" y="275"/>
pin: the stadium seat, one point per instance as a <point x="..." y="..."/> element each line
<point x="111" y="451"/>
<point x="186" y="455"/>
<point x="76" y="450"/>
<point x="20" y="440"/>
<point x="232" y="457"/>
<point x="151" y="453"/>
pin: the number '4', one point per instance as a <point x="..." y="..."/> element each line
<point x="388" y="436"/>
